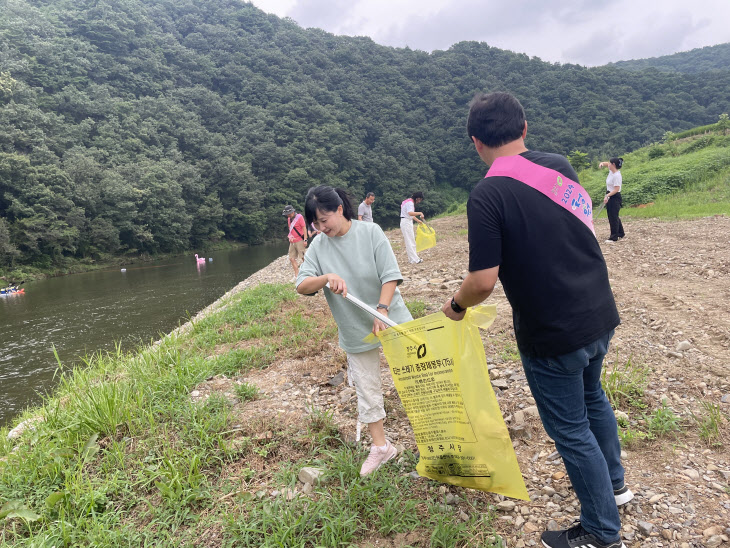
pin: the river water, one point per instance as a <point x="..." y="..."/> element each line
<point x="81" y="314"/>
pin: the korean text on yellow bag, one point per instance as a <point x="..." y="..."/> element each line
<point x="440" y="371"/>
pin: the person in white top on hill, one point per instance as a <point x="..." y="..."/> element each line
<point x="613" y="199"/>
<point x="408" y="214"/>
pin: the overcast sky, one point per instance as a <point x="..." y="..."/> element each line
<point x="586" y="32"/>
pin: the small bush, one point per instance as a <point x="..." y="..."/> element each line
<point x="246" y="392"/>
<point x="625" y="384"/>
<point x="662" y="422"/>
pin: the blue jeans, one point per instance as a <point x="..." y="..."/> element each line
<point x="576" y="414"/>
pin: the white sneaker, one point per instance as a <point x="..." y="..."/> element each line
<point x="610" y="241"/>
<point x="622" y="495"/>
<point x="377" y="457"/>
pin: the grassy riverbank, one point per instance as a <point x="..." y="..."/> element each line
<point x="126" y="457"/>
<point x="199" y="440"/>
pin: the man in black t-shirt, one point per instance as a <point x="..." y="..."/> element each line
<point x="554" y="276"/>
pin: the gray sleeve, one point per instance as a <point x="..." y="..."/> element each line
<point x="361" y="209"/>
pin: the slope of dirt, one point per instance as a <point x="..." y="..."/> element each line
<point x="671" y="281"/>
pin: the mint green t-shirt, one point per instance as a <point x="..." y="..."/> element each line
<point x="364" y="259"/>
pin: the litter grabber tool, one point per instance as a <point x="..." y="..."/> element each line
<point x="369" y="309"/>
<point x="597" y="213"/>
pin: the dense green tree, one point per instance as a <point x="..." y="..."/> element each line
<point x="144" y="126"/>
<point x="579" y="160"/>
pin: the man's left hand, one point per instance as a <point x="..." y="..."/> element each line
<point x="456" y="316"/>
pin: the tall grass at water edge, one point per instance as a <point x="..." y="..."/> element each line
<point x="125" y="457"/>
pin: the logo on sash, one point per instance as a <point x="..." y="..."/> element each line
<point x="562" y="191"/>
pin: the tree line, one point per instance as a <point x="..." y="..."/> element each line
<point x="149" y="126"/>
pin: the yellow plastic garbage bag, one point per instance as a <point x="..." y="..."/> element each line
<point x="425" y="237"/>
<point x="440" y="371"/>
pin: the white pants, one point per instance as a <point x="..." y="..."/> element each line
<point x="406" y="227"/>
<point x="364" y="370"/>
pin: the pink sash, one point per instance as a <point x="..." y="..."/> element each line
<point x="293" y="237"/>
<point x="402" y="204"/>
<point x="566" y="193"/>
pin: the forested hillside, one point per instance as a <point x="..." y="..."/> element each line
<point x="150" y="126"/>
<point x="690" y="62"/>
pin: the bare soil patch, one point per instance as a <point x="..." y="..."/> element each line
<point x="671" y="281"/>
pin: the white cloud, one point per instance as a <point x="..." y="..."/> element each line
<point x="589" y="32"/>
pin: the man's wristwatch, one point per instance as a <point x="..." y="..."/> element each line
<point x="455" y="306"/>
<point x="383" y="306"/>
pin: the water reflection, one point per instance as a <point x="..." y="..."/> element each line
<point x="83" y="313"/>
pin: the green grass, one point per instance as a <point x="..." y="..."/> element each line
<point x="702" y="199"/>
<point x="625" y="383"/>
<point x="246" y="391"/>
<point x="509" y="353"/>
<point x="124" y="457"/>
<point x="418" y="309"/>
<point x="346" y="508"/>
<point x="708" y="421"/>
<point x="683" y="180"/>
<point x="630" y="437"/>
<point x="663" y="422"/>
<point x="454" y="209"/>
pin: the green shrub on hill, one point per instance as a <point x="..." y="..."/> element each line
<point x="655" y="171"/>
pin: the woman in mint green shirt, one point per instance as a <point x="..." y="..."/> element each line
<point x="355" y="256"/>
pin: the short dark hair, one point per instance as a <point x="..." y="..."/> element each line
<point x="618" y="162"/>
<point x="417" y="195"/>
<point x="370" y="194"/>
<point x="495" y="118"/>
<point x="326" y="198"/>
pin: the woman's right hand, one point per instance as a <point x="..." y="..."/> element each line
<point x="337" y="284"/>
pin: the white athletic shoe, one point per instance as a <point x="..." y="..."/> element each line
<point x="377" y="457"/>
<point x="622" y="495"/>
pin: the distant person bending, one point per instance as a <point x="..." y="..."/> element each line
<point x="613" y="199"/>
<point x="408" y="214"/>
<point x="355" y="256"/>
<point x="365" y="209"/>
<point x="297" y="237"/>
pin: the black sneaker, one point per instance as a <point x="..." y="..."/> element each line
<point x="622" y="495"/>
<point x="575" y="537"/>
